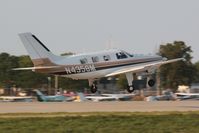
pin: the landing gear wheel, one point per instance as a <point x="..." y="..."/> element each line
<point x="130" y="89"/>
<point x="151" y="82"/>
<point x="93" y="88"/>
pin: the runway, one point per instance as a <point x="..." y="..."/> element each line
<point x="130" y="106"/>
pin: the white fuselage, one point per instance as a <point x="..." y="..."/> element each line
<point x="99" y="64"/>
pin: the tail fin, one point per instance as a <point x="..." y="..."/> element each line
<point x="39" y="53"/>
<point x="40" y="96"/>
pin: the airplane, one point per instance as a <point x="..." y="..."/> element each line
<point x="16" y="99"/>
<point x="90" y="66"/>
<point x="97" y="98"/>
<point x="120" y="97"/>
<point x="186" y="96"/>
<point x="166" y="96"/>
<point x="104" y="97"/>
<point x="55" y="98"/>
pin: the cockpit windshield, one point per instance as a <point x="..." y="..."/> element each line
<point x="123" y="55"/>
<point x="130" y="55"/>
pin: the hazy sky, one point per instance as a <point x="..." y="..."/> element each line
<point x="137" y="26"/>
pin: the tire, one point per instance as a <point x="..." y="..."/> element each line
<point x="130" y="89"/>
<point x="93" y="88"/>
<point x="151" y="82"/>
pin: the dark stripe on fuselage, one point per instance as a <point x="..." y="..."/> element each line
<point x="142" y="61"/>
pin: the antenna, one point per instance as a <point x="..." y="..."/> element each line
<point x="109" y="43"/>
<point x="157" y="47"/>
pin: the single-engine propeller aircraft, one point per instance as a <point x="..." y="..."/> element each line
<point x="90" y="66"/>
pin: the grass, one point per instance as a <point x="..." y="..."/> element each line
<point x="153" y="122"/>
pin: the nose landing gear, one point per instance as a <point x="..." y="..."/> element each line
<point x="130" y="89"/>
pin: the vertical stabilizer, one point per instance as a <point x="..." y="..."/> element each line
<point x="40" y="96"/>
<point x="38" y="52"/>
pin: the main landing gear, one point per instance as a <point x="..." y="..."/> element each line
<point x="131" y="87"/>
<point x="151" y="82"/>
<point x="93" y="86"/>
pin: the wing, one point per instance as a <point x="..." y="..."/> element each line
<point x="142" y="67"/>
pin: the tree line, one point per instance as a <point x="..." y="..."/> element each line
<point x="171" y="75"/>
<point x="28" y="79"/>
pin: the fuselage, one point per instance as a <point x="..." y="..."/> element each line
<point x="98" y="64"/>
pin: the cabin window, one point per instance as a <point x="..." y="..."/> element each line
<point x="106" y="57"/>
<point x="95" y="59"/>
<point x="121" y="55"/>
<point x="83" y="61"/>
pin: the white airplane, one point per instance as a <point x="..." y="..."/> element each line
<point x="16" y="99"/>
<point x="104" y="97"/>
<point x="100" y="98"/>
<point x="186" y="96"/>
<point x="90" y="66"/>
<point x="120" y="97"/>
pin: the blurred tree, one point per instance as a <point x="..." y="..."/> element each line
<point x="7" y="76"/>
<point x="178" y="73"/>
<point x="122" y="82"/>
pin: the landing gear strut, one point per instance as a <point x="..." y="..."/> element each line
<point x="130" y="87"/>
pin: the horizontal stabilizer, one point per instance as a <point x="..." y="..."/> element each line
<point x="36" y="68"/>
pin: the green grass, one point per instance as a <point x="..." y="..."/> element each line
<point x="155" y="122"/>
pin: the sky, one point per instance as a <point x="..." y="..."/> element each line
<point x="79" y="26"/>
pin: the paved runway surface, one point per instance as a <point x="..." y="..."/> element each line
<point x="130" y="106"/>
